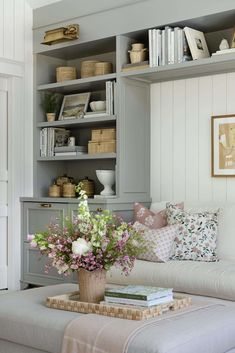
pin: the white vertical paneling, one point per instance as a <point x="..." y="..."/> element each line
<point x="19" y="19"/>
<point x="3" y="252"/>
<point x="204" y="138"/>
<point x="9" y="31"/>
<point x="155" y="157"/>
<point x="3" y="134"/>
<point x="166" y="140"/>
<point x="219" y="107"/>
<point x="178" y="146"/>
<point x="231" y="110"/>
<point x="192" y="143"/>
<point x="1" y="27"/>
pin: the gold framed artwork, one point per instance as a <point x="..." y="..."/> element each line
<point x="223" y="145"/>
<point x="232" y="45"/>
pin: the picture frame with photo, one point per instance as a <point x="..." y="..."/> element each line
<point x="223" y="146"/>
<point x="74" y="106"/>
<point x="232" y="44"/>
<point x="197" y="43"/>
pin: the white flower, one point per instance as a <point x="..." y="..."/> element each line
<point x="80" y="247"/>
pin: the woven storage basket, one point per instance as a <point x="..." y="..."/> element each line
<point x="88" y="186"/>
<point x="101" y="147"/>
<point x="103" y="134"/>
<point x="65" y="73"/>
<point x="103" y="68"/>
<point x="69" y="190"/>
<point x="88" y="68"/>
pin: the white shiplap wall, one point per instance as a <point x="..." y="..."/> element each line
<point x="181" y="138"/>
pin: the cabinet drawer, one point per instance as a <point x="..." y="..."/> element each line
<point x="34" y="268"/>
<point x="38" y="215"/>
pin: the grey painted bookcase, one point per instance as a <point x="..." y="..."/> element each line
<point x="131" y="119"/>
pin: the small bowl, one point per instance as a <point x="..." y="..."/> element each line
<point x="98" y="106"/>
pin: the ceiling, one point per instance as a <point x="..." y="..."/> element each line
<point x="60" y="10"/>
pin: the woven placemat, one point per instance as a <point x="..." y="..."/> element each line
<point x="70" y="302"/>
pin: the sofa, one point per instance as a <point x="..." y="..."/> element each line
<point x="28" y="326"/>
<point x="212" y="279"/>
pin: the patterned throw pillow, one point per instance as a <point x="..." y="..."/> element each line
<point x="159" y="242"/>
<point x="196" y="239"/>
<point x="153" y="220"/>
<point x="150" y="219"/>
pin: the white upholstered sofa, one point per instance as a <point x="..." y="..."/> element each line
<point x="213" y="279"/>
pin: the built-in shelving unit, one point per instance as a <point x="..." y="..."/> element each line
<point x="79" y="157"/>
<point x="83" y="122"/>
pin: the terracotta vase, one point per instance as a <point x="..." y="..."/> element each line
<point x="91" y="285"/>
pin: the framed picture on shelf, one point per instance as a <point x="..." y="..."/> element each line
<point x="197" y="43"/>
<point x="232" y="44"/>
<point x="223" y="145"/>
<point x="74" y="106"/>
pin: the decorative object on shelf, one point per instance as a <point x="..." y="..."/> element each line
<point x="66" y="73"/>
<point x="102" y="141"/>
<point x="98" y="106"/>
<point x="71" y="141"/>
<point x="197" y="43"/>
<point x="61" y="180"/>
<point x="90" y="242"/>
<point x="88" y="186"/>
<point x="54" y="190"/>
<point x="137" y="53"/>
<point x="105" y="134"/>
<point x="69" y="190"/>
<point x="73" y="105"/>
<point x="223" y="145"/>
<point x="61" y="137"/>
<point x="50" y="103"/>
<point x="107" y="179"/>
<point x="103" y="68"/>
<point x="224" y="44"/>
<point x="88" y="68"/>
<point x="61" y="34"/>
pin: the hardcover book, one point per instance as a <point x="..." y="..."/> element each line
<point x="138" y="292"/>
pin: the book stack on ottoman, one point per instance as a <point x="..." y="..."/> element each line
<point x="139" y="295"/>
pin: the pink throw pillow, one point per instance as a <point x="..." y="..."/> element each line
<point x="158" y="242"/>
<point x="153" y="220"/>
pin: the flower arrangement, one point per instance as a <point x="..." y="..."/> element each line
<point x="90" y="241"/>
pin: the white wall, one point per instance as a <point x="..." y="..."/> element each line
<point x="181" y="138"/>
<point x="16" y="66"/>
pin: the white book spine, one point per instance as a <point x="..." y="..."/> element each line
<point x="159" y="47"/>
<point x="150" y="33"/>
<point x="154" y="48"/>
<point x="107" y="97"/>
<point x="180" y="35"/>
<point x="176" y="30"/>
<point x="163" y="47"/>
<point x="172" y="48"/>
<point x="168" y="45"/>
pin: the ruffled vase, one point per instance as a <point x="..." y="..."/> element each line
<point x="91" y="285"/>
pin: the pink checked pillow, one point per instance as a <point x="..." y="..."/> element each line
<point x="153" y="220"/>
<point x="158" y="242"/>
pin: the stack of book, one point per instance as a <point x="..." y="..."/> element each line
<point x="167" y="46"/>
<point x="110" y="89"/>
<point x="139" y="295"/>
<point x="70" y="150"/>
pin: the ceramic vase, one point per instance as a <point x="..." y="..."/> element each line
<point x="91" y="285"/>
<point x="50" y="116"/>
<point x="137" y="53"/>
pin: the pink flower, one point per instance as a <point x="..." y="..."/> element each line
<point x="30" y="237"/>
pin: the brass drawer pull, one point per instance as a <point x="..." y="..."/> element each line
<point x="45" y="205"/>
<point x="99" y="209"/>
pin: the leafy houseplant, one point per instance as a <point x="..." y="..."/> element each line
<point x="90" y="244"/>
<point x="50" y="103"/>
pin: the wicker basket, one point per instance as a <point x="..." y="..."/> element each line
<point x="100" y="135"/>
<point x="88" y="68"/>
<point x="65" y="73"/>
<point x="103" y="68"/>
<point x="69" y="190"/>
<point x="101" y="147"/>
<point x="88" y="186"/>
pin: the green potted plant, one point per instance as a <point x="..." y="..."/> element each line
<point x="50" y="103"/>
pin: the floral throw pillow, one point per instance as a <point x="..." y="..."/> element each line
<point x="153" y="220"/>
<point x="159" y="242"/>
<point x="196" y="238"/>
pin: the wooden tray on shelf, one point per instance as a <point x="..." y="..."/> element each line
<point x="70" y="302"/>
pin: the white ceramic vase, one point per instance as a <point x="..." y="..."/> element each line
<point x="107" y="178"/>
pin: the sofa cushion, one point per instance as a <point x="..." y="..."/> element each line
<point x="212" y="279"/>
<point x="196" y="238"/>
<point x="153" y="220"/>
<point x="161" y="241"/>
<point x="226" y="233"/>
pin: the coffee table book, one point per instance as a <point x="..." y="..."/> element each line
<point x="70" y="302"/>
<point x="144" y="293"/>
